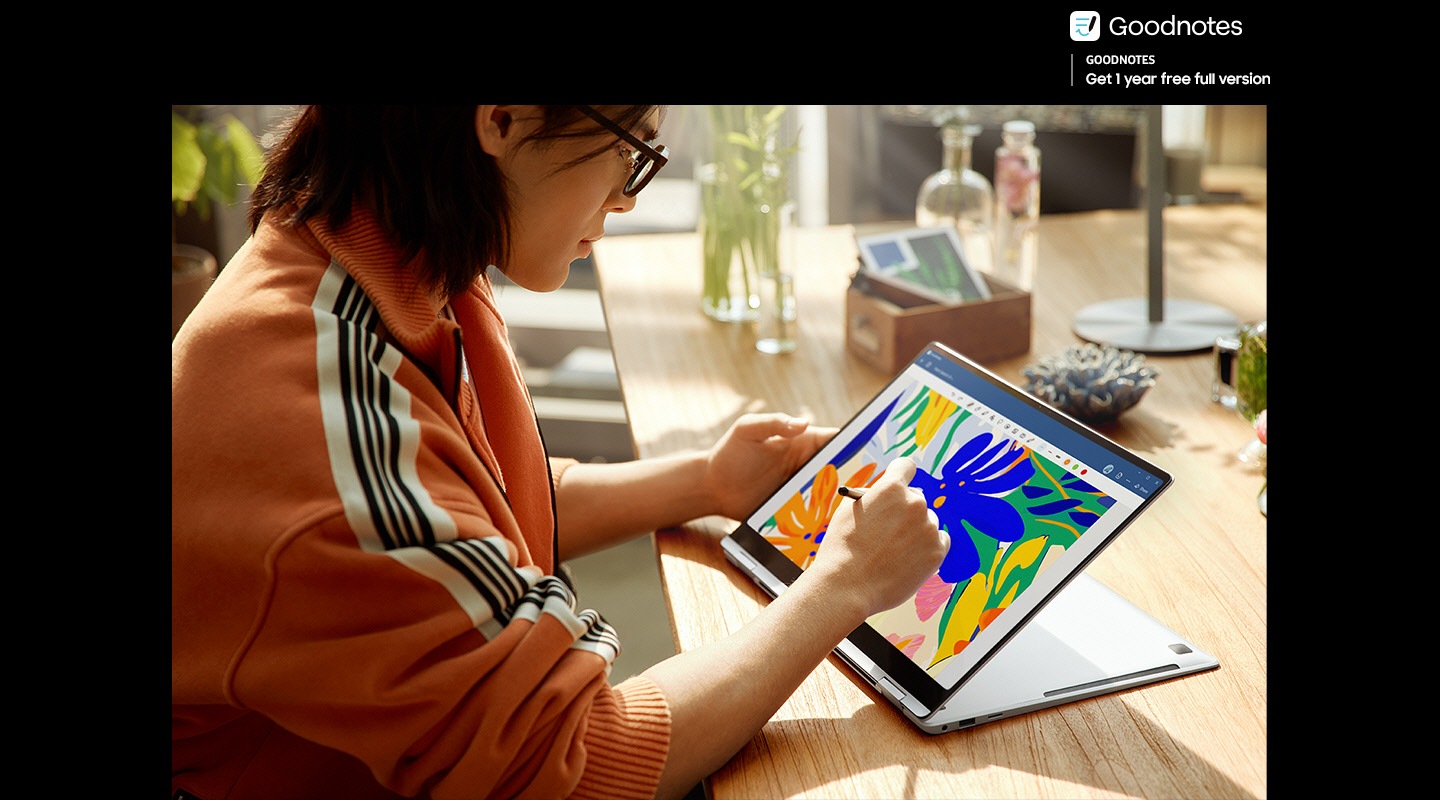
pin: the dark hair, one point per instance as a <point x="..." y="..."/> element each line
<point x="422" y="172"/>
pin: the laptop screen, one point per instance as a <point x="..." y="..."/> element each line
<point x="1028" y="495"/>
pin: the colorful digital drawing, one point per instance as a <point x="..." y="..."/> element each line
<point x="1009" y="510"/>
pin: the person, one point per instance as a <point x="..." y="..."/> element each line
<point x="366" y="526"/>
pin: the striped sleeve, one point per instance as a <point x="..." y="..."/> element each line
<point x="373" y="440"/>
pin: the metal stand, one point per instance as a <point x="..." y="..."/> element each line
<point x="1154" y="324"/>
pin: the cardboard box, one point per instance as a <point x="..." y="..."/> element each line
<point x="886" y="328"/>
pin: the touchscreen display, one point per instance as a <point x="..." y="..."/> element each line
<point x="1015" y="488"/>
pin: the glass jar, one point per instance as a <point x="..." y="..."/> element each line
<point x="960" y="197"/>
<point x="1017" y="204"/>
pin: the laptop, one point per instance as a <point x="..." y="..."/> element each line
<point x="1010" y="623"/>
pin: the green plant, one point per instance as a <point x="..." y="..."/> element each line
<point x="1251" y="370"/>
<point x="744" y="185"/>
<point x="209" y="159"/>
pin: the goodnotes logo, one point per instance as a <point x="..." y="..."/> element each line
<point x="1084" y="26"/>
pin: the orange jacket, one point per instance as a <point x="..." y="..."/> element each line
<point x="346" y="456"/>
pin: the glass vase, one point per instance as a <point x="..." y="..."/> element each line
<point x="775" y="260"/>
<point x="731" y="290"/>
<point x="744" y="179"/>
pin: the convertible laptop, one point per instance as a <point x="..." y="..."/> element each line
<point x="1010" y="623"/>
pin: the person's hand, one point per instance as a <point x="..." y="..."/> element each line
<point x="755" y="456"/>
<point x="884" y="545"/>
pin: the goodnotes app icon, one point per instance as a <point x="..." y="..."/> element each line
<point x="1084" y="26"/>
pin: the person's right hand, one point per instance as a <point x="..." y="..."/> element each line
<point x="884" y="545"/>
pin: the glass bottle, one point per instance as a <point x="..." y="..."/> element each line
<point x="1017" y="206"/>
<point x="960" y="197"/>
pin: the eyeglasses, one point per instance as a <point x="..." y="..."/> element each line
<point x="644" y="162"/>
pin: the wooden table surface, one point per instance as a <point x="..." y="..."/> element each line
<point x="1196" y="560"/>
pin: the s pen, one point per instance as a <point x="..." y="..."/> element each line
<point x="853" y="494"/>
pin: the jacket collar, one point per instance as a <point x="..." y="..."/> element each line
<point x="412" y="315"/>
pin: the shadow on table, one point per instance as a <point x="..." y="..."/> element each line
<point x="1142" y="431"/>
<point x="792" y="742"/>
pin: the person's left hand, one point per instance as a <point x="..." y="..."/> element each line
<point x="755" y="456"/>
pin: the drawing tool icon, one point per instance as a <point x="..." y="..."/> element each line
<point x="1085" y="26"/>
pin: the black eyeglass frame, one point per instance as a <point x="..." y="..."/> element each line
<point x="656" y="156"/>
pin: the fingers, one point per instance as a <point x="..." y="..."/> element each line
<point x="759" y="427"/>
<point x="898" y="474"/>
<point x="894" y="483"/>
<point x="892" y="534"/>
<point x="900" y="471"/>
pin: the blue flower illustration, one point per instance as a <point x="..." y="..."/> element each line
<point x="971" y="488"/>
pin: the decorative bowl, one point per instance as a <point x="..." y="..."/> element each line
<point x="1094" y="384"/>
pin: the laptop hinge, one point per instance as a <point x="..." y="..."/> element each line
<point x="911" y="704"/>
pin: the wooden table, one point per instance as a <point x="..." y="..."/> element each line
<point x="1197" y="560"/>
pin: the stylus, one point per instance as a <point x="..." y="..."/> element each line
<point x="853" y="494"/>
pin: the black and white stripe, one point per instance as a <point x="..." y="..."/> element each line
<point x="373" y="440"/>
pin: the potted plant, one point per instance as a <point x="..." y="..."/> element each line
<point x="210" y="160"/>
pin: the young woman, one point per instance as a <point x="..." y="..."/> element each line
<point x="366" y="524"/>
